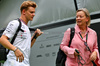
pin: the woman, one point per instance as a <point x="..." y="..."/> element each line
<point x="83" y="36"/>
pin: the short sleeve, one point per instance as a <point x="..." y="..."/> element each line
<point x="11" y="29"/>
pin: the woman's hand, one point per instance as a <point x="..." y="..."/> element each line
<point x="93" y="56"/>
<point x="19" y="55"/>
<point x="76" y="53"/>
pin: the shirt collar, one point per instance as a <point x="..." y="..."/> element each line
<point x="78" y="29"/>
<point x="22" y="21"/>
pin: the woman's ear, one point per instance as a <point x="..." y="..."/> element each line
<point x="87" y="19"/>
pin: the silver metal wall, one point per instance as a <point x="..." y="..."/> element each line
<point x="48" y="11"/>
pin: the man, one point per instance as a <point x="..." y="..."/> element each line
<point x="20" y="50"/>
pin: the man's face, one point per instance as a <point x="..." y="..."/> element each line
<point x="30" y="13"/>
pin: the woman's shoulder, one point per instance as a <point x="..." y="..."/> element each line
<point x="92" y="30"/>
<point x="68" y="30"/>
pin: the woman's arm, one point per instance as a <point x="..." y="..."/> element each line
<point x="64" y="45"/>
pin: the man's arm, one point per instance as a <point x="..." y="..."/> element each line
<point x="36" y="34"/>
<point x="4" y="41"/>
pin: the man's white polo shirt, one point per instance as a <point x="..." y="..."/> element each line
<point x="22" y="41"/>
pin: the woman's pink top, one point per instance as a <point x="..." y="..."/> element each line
<point x="78" y="43"/>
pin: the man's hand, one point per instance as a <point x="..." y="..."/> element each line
<point x="38" y="32"/>
<point x="19" y="55"/>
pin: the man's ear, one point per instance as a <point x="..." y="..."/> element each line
<point x="23" y="11"/>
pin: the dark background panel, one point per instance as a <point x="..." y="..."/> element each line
<point x="96" y="27"/>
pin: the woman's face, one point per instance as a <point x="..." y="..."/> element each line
<point x="81" y="18"/>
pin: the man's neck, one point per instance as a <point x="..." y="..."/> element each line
<point x="24" y="20"/>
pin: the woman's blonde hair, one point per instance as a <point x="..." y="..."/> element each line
<point x="86" y="13"/>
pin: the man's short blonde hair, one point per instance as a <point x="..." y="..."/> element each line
<point x="27" y="4"/>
